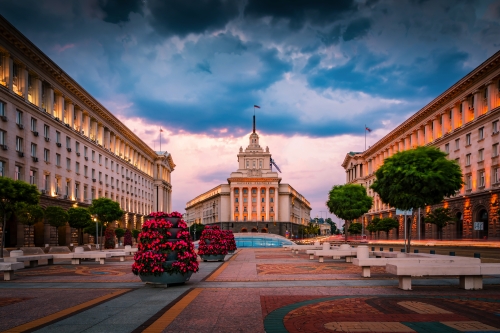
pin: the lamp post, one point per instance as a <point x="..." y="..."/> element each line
<point x="96" y="232"/>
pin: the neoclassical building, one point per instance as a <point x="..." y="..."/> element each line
<point x="463" y="122"/>
<point x="253" y="197"/>
<point x="55" y="135"/>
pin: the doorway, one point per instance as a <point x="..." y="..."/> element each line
<point x="459" y="225"/>
<point x="483" y="217"/>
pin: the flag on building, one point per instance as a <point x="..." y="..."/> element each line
<point x="368" y="129"/>
<point x="256" y="106"/>
<point x="161" y="130"/>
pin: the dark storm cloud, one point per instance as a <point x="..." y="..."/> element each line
<point x="298" y="12"/>
<point x="119" y="10"/>
<point x="367" y="72"/>
<point x="181" y="17"/>
<point x="357" y="29"/>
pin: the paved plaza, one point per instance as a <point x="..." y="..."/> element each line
<point x="255" y="290"/>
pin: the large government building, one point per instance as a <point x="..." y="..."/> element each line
<point x="463" y="122"/>
<point x="55" y="135"/>
<point x="253" y="198"/>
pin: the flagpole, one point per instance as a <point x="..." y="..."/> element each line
<point x="365" y="137"/>
<point x="160" y="139"/>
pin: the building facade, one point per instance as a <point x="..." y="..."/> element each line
<point x="55" y="135"/>
<point x="463" y="122"/>
<point x="253" y="194"/>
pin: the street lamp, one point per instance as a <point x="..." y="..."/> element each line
<point x="96" y="231"/>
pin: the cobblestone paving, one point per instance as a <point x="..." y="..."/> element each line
<point x="259" y="290"/>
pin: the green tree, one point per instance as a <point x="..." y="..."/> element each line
<point x="12" y="192"/>
<point x="355" y="228"/>
<point x="106" y="210"/>
<point x="198" y="229"/>
<point x="373" y="225"/>
<point x="417" y="178"/>
<point x="56" y="217"/>
<point x="348" y="202"/>
<point x="119" y="232"/>
<point x="135" y="234"/>
<point x="29" y="214"/>
<point x="79" y="218"/>
<point x="387" y="224"/>
<point x="440" y="217"/>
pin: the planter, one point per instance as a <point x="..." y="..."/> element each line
<point x="172" y="255"/>
<point x="174" y="231"/>
<point x="230" y="252"/>
<point x="174" y="221"/>
<point x="213" y="257"/>
<point x="166" y="278"/>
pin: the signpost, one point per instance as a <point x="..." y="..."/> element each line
<point x="478" y="226"/>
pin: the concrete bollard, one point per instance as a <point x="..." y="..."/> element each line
<point x="362" y="252"/>
<point x="79" y="250"/>
<point x="16" y="253"/>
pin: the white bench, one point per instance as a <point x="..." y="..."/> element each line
<point x="32" y="259"/>
<point x="120" y="254"/>
<point x="8" y="269"/>
<point x="335" y="254"/>
<point x="366" y="263"/>
<point x="470" y="275"/>
<point x="77" y="257"/>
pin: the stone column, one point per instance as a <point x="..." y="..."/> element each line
<point x="58" y="104"/>
<point x="100" y="134"/>
<point x="446" y="119"/>
<point x="87" y="125"/>
<point x="267" y="203"/>
<point x="240" y="203"/>
<point x="258" y="205"/>
<point x="421" y="138"/>
<point x="491" y="99"/>
<point x="276" y="203"/>
<point x="476" y="106"/>
<point x="23" y="81"/>
<point x="37" y="91"/>
<point x="70" y="109"/>
<point x="10" y="71"/>
<point x="436" y="128"/>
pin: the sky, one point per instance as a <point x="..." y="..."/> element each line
<point x="320" y="70"/>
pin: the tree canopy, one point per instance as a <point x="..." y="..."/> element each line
<point x="11" y="193"/>
<point x="29" y="214"/>
<point x="332" y="225"/>
<point x="79" y="218"/>
<point x="56" y="216"/>
<point x="387" y="224"/>
<point x="440" y="217"/>
<point x="416" y="178"/>
<point x="355" y="228"/>
<point x="107" y="210"/>
<point x="348" y="202"/>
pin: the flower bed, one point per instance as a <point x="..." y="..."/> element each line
<point x="231" y="243"/>
<point x="159" y="251"/>
<point x="213" y="242"/>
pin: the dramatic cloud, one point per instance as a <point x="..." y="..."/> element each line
<point x="320" y="70"/>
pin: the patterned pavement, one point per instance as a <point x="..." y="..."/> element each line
<point x="257" y="290"/>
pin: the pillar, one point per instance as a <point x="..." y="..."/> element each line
<point x="37" y="91"/>
<point x="70" y="113"/>
<point x="436" y="128"/>
<point x="23" y="81"/>
<point x="491" y="99"/>
<point x="476" y="106"/>
<point x="446" y="119"/>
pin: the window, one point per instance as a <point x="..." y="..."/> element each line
<point x="468" y="182"/>
<point x="68" y="163"/>
<point x="68" y="186"/>
<point x="19" y="117"/>
<point x="19" y="144"/>
<point x="3" y="137"/>
<point x="271" y="200"/>
<point x="46" y="131"/>
<point x="254" y="191"/>
<point x="235" y="199"/>
<point x="481" y="133"/>
<point x="254" y="199"/>
<point x="263" y="200"/>
<point x="33" y="150"/>
<point x="2" y="109"/>
<point x="106" y="179"/>
<point x="471" y="106"/>
<point x="248" y="164"/>
<point x="46" y="180"/>
<point x="17" y="173"/>
<point x="236" y="191"/>
<point x="77" y="146"/>
<point x="481" y="179"/>
<point x="58" y="160"/>
<point x="46" y="155"/>
<point x="85" y="150"/>
<point x="85" y="188"/>
<point x="495" y="178"/>
<point x="100" y="176"/>
<point x="2" y="169"/>
<point x="271" y="209"/>
<point x="467" y="139"/>
<point x="112" y="165"/>
<point x="77" y="167"/>
<point x="494" y="150"/>
<point x="32" y="177"/>
<point x="68" y="142"/>
<point x="245" y="199"/>
<point x="58" y="137"/>
<point x="457" y="144"/>
<point x="106" y="162"/>
<point x="85" y="171"/>
<point x="480" y="155"/>
<point x="100" y="159"/>
<point x="447" y="148"/>
<point x="33" y="124"/>
<point x="495" y="127"/>
<point x="77" y="191"/>
<point x="93" y="173"/>
<point x="245" y="191"/>
<point x="271" y="191"/>
<point x="93" y="156"/>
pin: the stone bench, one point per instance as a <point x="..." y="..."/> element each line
<point x="366" y="263"/>
<point x="8" y="269"/>
<point x="470" y="276"/>
<point x="335" y="254"/>
<point x="77" y="257"/>
<point x="18" y="256"/>
<point x="385" y="254"/>
<point x="120" y="254"/>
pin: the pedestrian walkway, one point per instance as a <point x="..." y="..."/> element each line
<point x="257" y="290"/>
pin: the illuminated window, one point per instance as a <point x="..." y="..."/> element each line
<point x="495" y="175"/>
<point x="468" y="182"/>
<point x="481" y="179"/>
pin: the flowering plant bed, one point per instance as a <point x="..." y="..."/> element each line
<point x="213" y="244"/>
<point x="164" y="249"/>
<point x="231" y="243"/>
